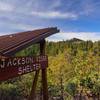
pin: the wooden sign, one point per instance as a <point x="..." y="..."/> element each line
<point x="16" y="66"/>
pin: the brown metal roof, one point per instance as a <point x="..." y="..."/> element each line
<point x="10" y="44"/>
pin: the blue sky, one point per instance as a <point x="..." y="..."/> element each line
<point x="74" y="18"/>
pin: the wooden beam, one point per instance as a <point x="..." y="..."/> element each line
<point x="32" y="94"/>
<point x="44" y="73"/>
<point x="14" y="49"/>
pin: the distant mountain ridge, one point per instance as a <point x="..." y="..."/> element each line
<point x="76" y="40"/>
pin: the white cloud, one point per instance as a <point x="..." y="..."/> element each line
<point x="55" y="14"/>
<point x="24" y="27"/>
<point x="19" y="26"/>
<point x="89" y="8"/>
<point x="5" y="6"/>
<point x="94" y="36"/>
<point x="4" y="33"/>
<point x="55" y="4"/>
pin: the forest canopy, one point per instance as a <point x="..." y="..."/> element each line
<point x="74" y="68"/>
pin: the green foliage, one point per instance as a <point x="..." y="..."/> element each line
<point x="9" y="92"/>
<point x="71" y="88"/>
<point x="73" y="66"/>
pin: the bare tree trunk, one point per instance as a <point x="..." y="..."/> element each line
<point x="62" y="88"/>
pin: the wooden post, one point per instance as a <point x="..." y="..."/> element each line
<point x="44" y="73"/>
<point x="32" y="95"/>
